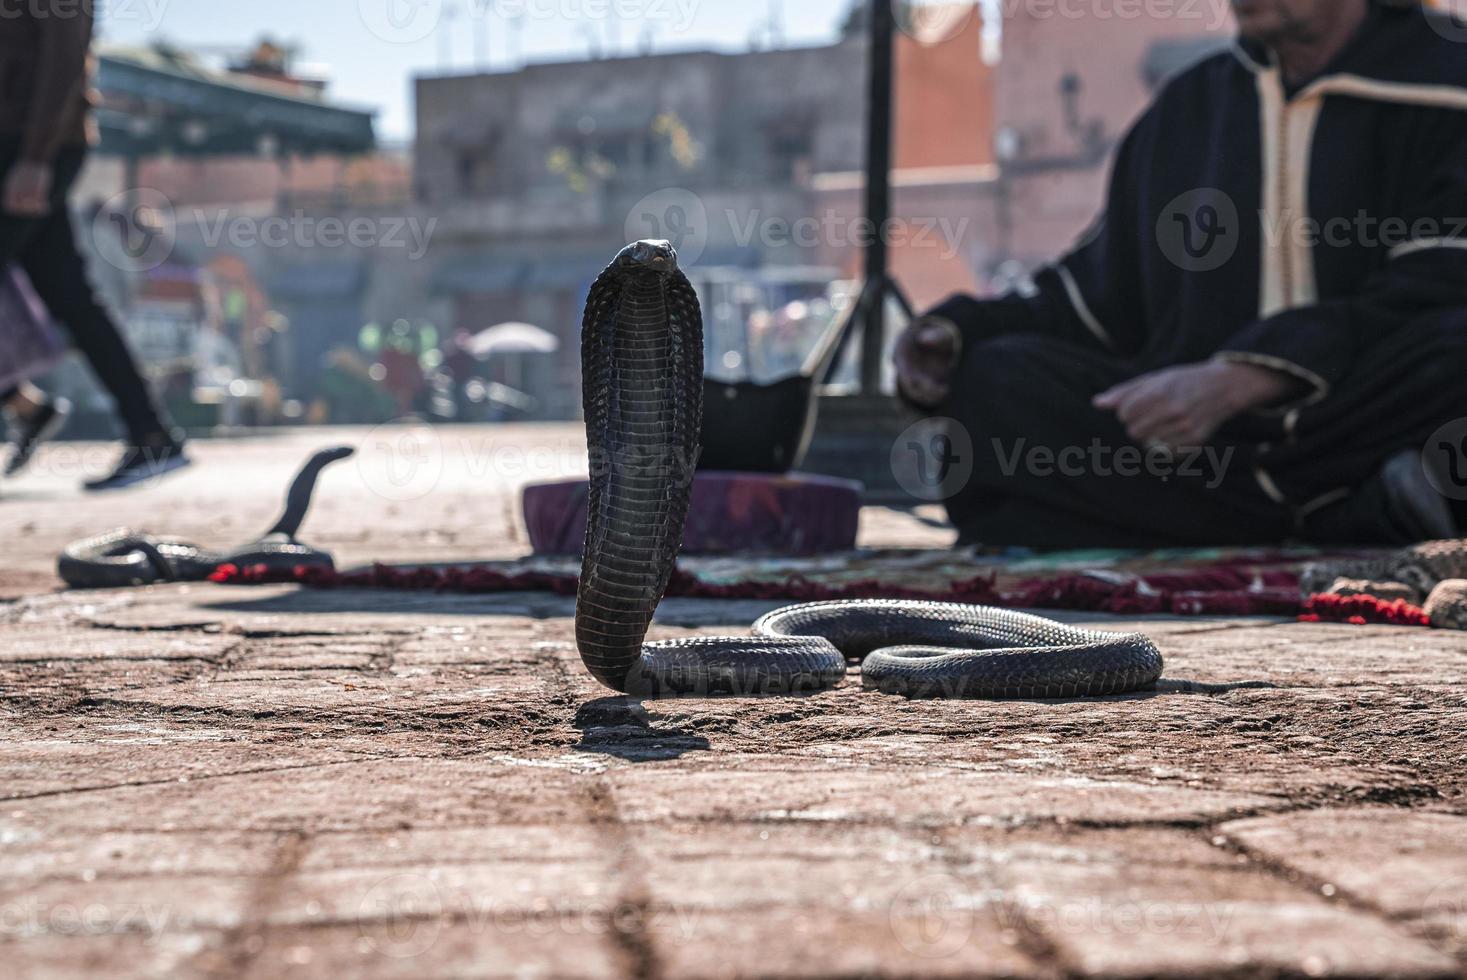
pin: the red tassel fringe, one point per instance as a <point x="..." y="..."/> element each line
<point x="1362" y="609"/>
<point x="1218" y="591"/>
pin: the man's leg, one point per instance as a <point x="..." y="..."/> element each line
<point x="1050" y="470"/>
<point x="33" y="418"/>
<point x="1408" y="385"/>
<point x="57" y="271"/>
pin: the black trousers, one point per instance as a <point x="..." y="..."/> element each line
<point x="1048" y="470"/>
<point x="46" y="248"/>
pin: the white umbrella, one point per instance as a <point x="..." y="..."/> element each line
<point x="513" y="338"/>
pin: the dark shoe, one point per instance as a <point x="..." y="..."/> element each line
<point x="34" y="429"/>
<point x="1413" y="502"/>
<point x="1398" y="506"/>
<point x="140" y="463"/>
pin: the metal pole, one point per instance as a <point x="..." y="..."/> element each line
<point x="878" y="192"/>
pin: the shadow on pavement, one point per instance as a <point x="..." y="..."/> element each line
<point x="620" y="726"/>
<point x="386" y="601"/>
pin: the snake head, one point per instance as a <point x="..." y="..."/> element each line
<point x="652" y="255"/>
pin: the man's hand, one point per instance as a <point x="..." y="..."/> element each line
<point x="27" y="191"/>
<point x="1185" y="406"/>
<point x="926" y="356"/>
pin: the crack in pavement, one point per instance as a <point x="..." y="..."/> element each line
<point x="242" y="944"/>
<point x="203" y="777"/>
<point x="634" y="945"/>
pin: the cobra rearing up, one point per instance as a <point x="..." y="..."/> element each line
<point x="642" y="384"/>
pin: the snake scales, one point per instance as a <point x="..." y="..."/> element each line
<point x="642" y="377"/>
<point x="128" y="557"/>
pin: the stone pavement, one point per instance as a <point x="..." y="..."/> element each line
<point x="270" y="782"/>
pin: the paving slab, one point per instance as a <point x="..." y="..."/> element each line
<point x="208" y="781"/>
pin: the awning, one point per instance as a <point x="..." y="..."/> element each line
<point x="155" y="100"/>
<point x="483" y="273"/>
<point x="569" y="269"/>
<point x="316" y="281"/>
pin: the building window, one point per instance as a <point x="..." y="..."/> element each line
<point x="474" y="167"/>
<point x="790" y="148"/>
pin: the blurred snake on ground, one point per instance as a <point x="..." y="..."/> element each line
<point x="130" y="557"/>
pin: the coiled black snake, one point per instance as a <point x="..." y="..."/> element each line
<point x="642" y="377"/>
<point x="127" y="557"/>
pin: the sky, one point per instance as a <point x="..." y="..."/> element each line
<point x="371" y="49"/>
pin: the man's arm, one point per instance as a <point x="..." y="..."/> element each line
<point x="1425" y="273"/>
<point x="1090" y="297"/>
<point x="1293" y="359"/>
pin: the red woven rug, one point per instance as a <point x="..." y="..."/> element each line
<point x="1193" y="582"/>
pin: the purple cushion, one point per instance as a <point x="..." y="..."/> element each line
<point x="792" y="514"/>
<point x="29" y="344"/>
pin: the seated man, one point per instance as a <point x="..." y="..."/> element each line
<point x="1266" y="327"/>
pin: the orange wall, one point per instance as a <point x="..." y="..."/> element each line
<point x="944" y="99"/>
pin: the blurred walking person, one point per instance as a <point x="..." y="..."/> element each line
<point x="45" y="130"/>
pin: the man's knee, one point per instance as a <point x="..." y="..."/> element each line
<point x="1005" y="364"/>
<point x="1008" y="373"/>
